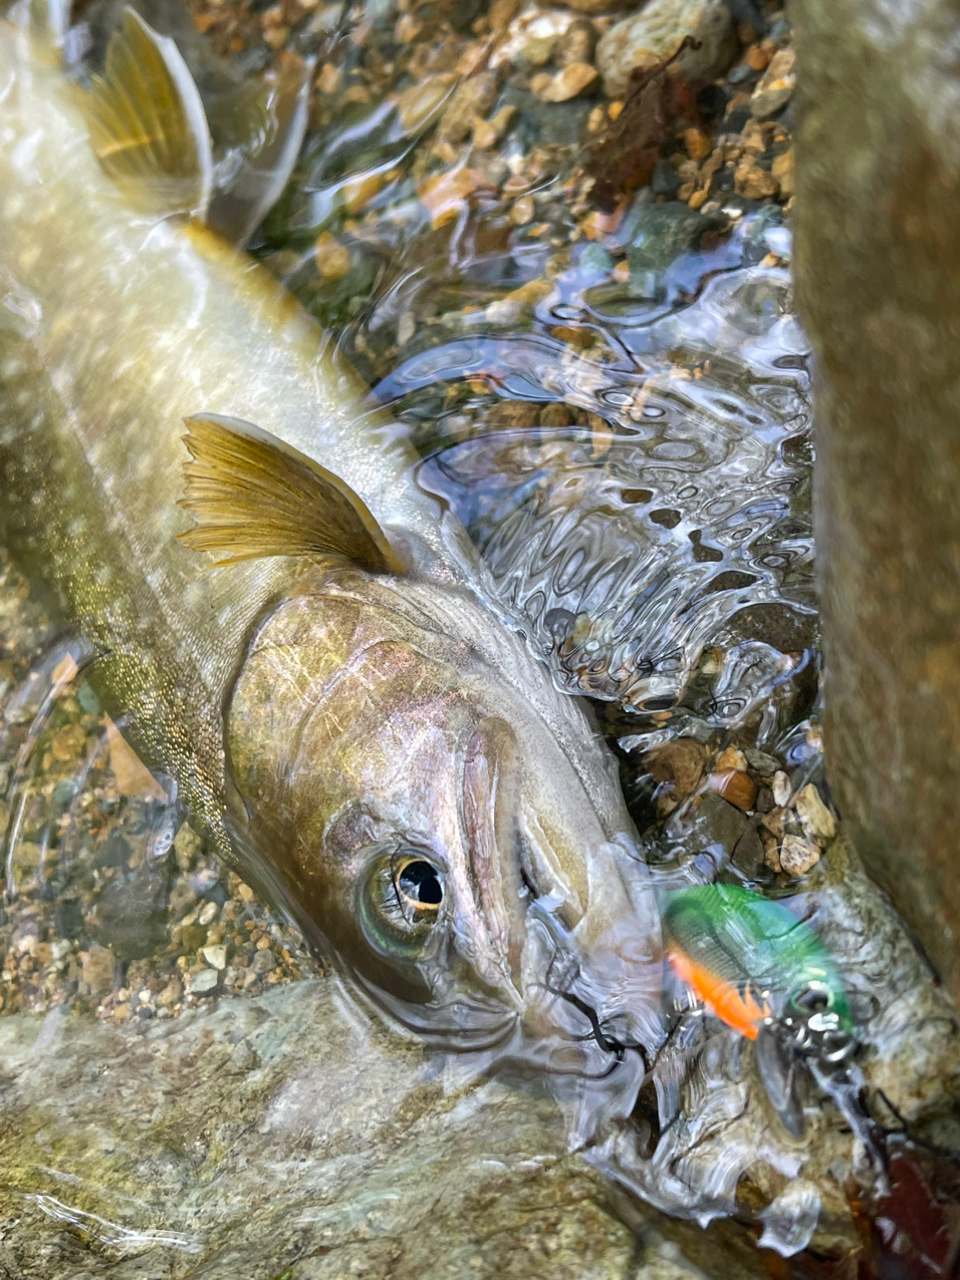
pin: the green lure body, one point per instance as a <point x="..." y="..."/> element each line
<point x="753" y="960"/>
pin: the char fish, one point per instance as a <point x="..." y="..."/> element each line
<point x="292" y="631"/>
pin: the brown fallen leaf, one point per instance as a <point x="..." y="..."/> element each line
<point x="622" y="157"/>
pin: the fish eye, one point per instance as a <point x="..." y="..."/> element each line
<point x="420" y="884"/>
<point x="401" y="899"/>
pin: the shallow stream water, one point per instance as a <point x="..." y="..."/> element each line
<point x="622" y="421"/>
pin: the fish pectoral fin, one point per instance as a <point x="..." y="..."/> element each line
<point x="260" y="131"/>
<point x="147" y="124"/>
<point x="252" y="495"/>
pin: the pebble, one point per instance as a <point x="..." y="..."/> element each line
<point x="748" y="853"/>
<point x="332" y="257"/>
<point x="536" y="51"/>
<point x="572" y="81"/>
<point x="171" y="994"/>
<point x="752" y="181"/>
<point x="208" y="913"/>
<point x="502" y="13"/>
<point x="775" y="87"/>
<point x="215" y="956"/>
<point x="475" y="97"/>
<point x="763" y="763"/>
<point x="679" y="762"/>
<point x="815" y="818"/>
<point x="359" y="191"/>
<point x="443" y="194"/>
<point x="576" y="44"/>
<point x="758" y="56"/>
<point x="647" y="38"/>
<point x="697" y="143"/>
<point x="509" y="309"/>
<point x="782" y="788"/>
<point x="417" y="105"/>
<point x="406" y="328"/>
<point x="205" y="980"/>
<point x="487" y="133"/>
<point x="522" y="211"/>
<point x="186" y="845"/>
<point x="263" y="962"/>
<point x="797" y="855"/>
<point x="735" y="787"/>
<point x="784" y="170"/>
<point x="731" y="758"/>
<point x="596" y="6"/>
<point x="97" y="971"/>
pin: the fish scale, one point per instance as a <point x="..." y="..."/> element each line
<point x="332" y="715"/>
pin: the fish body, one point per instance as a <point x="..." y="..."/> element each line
<point x="289" y="627"/>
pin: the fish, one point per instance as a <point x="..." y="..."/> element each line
<point x="293" y="632"/>
<point x="765" y="973"/>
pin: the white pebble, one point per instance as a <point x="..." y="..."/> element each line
<point x="208" y="913"/>
<point x="782" y="790"/>
<point x="203" y="981"/>
<point x="215" y="956"/>
<point x="797" y="855"/>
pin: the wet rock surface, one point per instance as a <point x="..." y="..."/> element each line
<point x="282" y="1135"/>
<point x="879" y="279"/>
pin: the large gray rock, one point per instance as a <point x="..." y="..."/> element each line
<point x="878" y="253"/>
<point x="282" y="1135"/>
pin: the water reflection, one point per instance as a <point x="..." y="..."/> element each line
<point x="675" y="519"/>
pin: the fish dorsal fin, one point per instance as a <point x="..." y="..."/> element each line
<point x="147" y="123"/>
<point x="260" y="129"/>
<point x="252" y="496"/>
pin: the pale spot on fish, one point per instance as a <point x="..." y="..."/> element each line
<point x="13" y="207"/>
<point x="29" y="257"/>
<point x="104" y="576"/>
<point x="12" y="368"/>
<point x="62" y="323"/>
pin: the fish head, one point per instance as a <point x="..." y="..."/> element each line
<point x="437" y="813"/>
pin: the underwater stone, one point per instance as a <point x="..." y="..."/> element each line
<point x="647" y="38"/>
<point x="372" y="1166"/>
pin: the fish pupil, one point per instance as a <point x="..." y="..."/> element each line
<point x="419" y="881"/>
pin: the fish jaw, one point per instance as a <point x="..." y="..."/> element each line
<point x="431" y="829"/>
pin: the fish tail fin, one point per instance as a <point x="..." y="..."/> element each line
<point x="147" y="123"/>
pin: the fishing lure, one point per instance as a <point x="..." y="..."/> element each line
<point x="753" y="962"/>
<point x="765" y="973"/>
